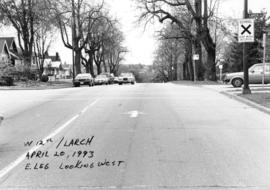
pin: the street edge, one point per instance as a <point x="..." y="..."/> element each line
<point x="1" y="118"/>
<point x="247" y="102"/>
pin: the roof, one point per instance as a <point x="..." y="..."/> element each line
<point x="52" y="64"/>
<point x="9" y="41"/>
<point x="3" y="43"/>
<point x="53" y="58"/>
<point x="55" y="64"/>
<point x="66" y="66"/>
<point x="14" y="55"/>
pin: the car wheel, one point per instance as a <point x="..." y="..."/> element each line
<point x="120" y="83"/>
<point x="133" y="83"/>
<point x="237" y="82"/>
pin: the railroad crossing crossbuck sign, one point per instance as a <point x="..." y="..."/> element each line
<point x="246" y="30"/>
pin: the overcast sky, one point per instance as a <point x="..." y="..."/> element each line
<point x="142" y="44"/>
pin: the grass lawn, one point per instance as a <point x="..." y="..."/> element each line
<point x="260" y="98"/>
<point x="36" y="85"/>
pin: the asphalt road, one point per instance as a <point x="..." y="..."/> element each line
<point x="143" y="136"/>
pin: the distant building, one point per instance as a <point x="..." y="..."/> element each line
<point x="53" y="67"/>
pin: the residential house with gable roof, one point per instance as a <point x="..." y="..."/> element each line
<point x="11" y="53"/>
<point x="53" y="66"/>
<point x="4" y="52"/>
<point x="15" y="58"/>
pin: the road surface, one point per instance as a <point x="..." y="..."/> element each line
<point x="143" y="136"/>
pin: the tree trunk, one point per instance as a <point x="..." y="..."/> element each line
<point x="175" y="70"/>
<point x="90" y="63"/>
<point x="105" y="67"/>
<point x="77" y="62"/>
<point x="99" y="70"/>
<point x="87" y="67"/>
<point x="211" y="64"/>
<point x="189" y="60"/>
<point x="199" y="66"/>
<point x="197" y="43"/>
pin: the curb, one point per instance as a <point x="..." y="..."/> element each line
<point x="247" y="102"/>
<point x="36" y="88"/>
<point x="1" y="119"/>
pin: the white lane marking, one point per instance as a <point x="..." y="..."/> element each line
<point x="90" y="105"/>
<point x="134" y="114"/>
<point x="21" y="158"/>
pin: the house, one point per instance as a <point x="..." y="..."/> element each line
<point x="13" y="50"/>
<point x="66" y="71"/>
<point x="5" y="64"/>
<point x="11" y="53"/>
<point x="15" y="58"/>
<point x="4" y="52"/>
<point x="53" y="67"/>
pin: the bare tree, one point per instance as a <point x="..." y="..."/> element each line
<point x="167" y="59"/>
<point x="168" y="10"/>
<point x="24" y="16"/>
<point x="43" y="40"/>
<point x="74" y="18"/>
<point x="113" y="49"/>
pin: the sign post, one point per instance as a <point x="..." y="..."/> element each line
<point x="196" y="57"/>
<point x="264" y="53"/>
<point x="246" y="34"/>
<point x="220" y="72"/>
<point x="246" y="30"/>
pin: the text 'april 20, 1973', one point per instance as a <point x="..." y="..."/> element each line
<point x="69" y="154"/>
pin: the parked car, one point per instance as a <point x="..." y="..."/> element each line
<point x="115" y="80"/>
<point x="110" y="76"/>
<point x="126" y="78"/>
<point x="255" y="75"/>
<point x="83" y="79"/>
<point x="101" y="79"/>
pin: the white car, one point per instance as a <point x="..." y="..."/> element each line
<point x="101" y="79"/>
<point x="126" y="78"/>
<point x="255" y="75"/>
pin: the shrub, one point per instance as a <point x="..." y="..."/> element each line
<point x="7" y="80"/>
<point x="6" y="71"/>
<point x="44" y="78"/>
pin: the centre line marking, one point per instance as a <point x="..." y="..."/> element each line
<point x="21" y="158"/>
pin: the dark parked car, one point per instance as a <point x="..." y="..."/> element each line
<point x="83" y="79"/>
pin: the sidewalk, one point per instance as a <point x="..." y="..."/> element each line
<point x="259" y="97"/>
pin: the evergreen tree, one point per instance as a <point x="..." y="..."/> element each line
<point x="255" y="50"/>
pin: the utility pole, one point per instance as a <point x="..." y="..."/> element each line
<point x="73" y="38"/>
<point x="246" y="89"/>
<point x="264" y="54"/>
